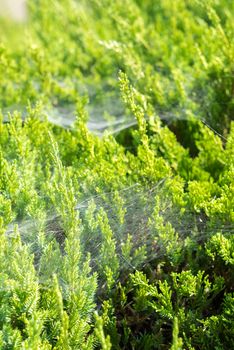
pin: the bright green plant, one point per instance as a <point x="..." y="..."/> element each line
<point x="117" y="240"/>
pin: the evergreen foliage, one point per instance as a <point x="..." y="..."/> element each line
<point x="123" y="241"/>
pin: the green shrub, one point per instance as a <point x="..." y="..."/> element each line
<point x="124" y="240"/>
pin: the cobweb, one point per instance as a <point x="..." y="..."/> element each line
<point x="143" y="222"/>
<point x="106" y="112"/>
<point x="142" y="225"/>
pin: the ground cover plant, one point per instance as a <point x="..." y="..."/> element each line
<point x="117" y="175"/>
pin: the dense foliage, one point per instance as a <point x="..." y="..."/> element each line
<point x="123" y="241"/>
